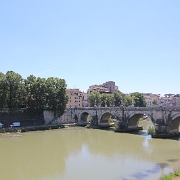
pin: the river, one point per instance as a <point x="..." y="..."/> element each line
<point x="87" y="154"/>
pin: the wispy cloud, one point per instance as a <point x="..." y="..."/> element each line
<point x="48" y="70"/>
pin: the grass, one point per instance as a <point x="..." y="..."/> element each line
<point x="151" y="130"/>
<point x="33" y="128"/>
<point x="175" y="176"/>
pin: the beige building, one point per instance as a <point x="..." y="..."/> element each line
<point x="149" y="97"/>
<point x="84" y="99"/>
<point x="110" y="85"/>
<point x="98" y="88"/>
<point x="171" y="100"/>
<point x="107" y="87"/>
<point x="75" y="98"/>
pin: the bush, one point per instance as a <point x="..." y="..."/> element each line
<point x="151" y="130"/>
<point x="88" y="126"/>
<point x="171" y="176"/>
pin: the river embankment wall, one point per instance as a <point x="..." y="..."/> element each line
<point x="23" y="116"/>
<point x="65" y="118"/>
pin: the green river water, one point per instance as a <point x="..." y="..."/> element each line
<point x="87" y="154"/>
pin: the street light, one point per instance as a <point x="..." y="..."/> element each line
<point x="71" y="112"/>
<point x="122" y="105"/>
<point x="95" y="107"/>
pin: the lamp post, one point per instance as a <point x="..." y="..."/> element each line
<point x="95" y="107"/>
<point x="71" y="112"/>
<point x="122" y="110"/>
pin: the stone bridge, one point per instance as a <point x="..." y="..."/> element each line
<point x="165" y="119"/>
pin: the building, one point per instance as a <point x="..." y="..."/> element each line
<point x="84" y="99"/>
<point x="107" y="87"/>
<point x="151" y="99"/>
<point x="170" y="100"/>
<point x="75" y="98"/>
<point x="110" y="85"/>
<point x="98" y="88"/>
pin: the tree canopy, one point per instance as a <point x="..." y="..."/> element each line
<point x="109" y="100"/>
<point x="138" y="99"/>
<point x="34" y="93"/>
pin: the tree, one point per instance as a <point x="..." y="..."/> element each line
<point x="3" y="90"/>
<point x="138" y="99"/>
<point x="43" y="92"/>
<point x="121" y="99"/>
<point x="14" y="86"/>
<point x="154" y="102"/>
<point x="128" y="101"/>
<point x="107" y="100"/>
<point x="56" y="95"/>
<point x="36" y="93"/>
<point x="118" y="98"/>
<point x="94" y="98"/>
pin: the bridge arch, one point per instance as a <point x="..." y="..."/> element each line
<point x="84" y="116"/>
<point x="174" y="125"/>
<point x="135" y="117"/>
<point x="104" y="119"/>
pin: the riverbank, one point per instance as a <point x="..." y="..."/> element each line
<point x="33" y="128"/>
<point x="40" y="128"/>
<point x="172" y="176"/>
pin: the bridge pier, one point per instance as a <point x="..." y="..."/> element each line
<point x="166" y="120"/>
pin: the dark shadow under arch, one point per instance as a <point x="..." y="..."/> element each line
<point x="84" y="117"/>
<point x="174" y="126"/>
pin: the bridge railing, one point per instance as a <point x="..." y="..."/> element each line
<point x="131" y="108"/>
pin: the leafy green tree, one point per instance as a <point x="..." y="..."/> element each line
<point x="118" y="98"/>
<point x="31" y="91"/>
<point x="121" y="99"/>
<point x="36" y="93"/>
<point x="43" y="92"/>
<point x="154" y="102"/>
<point x="3" y="90"/>
<point x="14" y="85"/>
<point x="127" y="101"/>
<point x="138" y="99"/>
<point x="56" y="95"/>
<point x="94" y="98"/>
<point x="107" y="100"/>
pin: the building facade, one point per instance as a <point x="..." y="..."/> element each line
<point x="75" y="98"/>
<point x="151" y="99"/>
<point x="107" y="87"/>
<point x="84" y="99"/>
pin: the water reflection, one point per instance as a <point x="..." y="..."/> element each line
<point x="87" y="154"/>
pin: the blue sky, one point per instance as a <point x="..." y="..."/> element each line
<point x="135" y="43"/>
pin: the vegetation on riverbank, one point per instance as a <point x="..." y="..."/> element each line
<point x="33" y="128"/>
<point x="33" y="93"/>
<point x="172" y="176"/>
<point x="116" y="99"/>
<point x="151" y="130"/>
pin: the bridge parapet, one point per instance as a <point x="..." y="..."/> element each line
<point x="131" y="108"/>
<point x="161" y="116"/>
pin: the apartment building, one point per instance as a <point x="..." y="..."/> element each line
<point x="75" y="98"/>
<point x="98" y="88"/>
<point x="149" y="97"/>
<point x="110" y="85"/>
<point x="170" y="100"/>
<point x="107" y="87"/>
<point x="84" y="99"/>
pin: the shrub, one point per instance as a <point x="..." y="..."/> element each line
<point x="171" y="176"/>
<point x="151" y="130"/>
